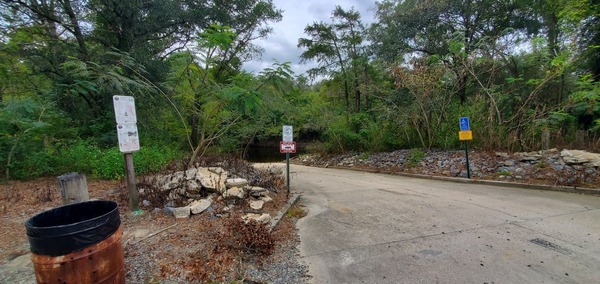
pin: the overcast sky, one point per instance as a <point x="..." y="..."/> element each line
<point x="281" y="45"/>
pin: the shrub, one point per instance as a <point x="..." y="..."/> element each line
<point x="251" y="237"/>
<point x="109" y="163"/>
<point x="414" y="157"/>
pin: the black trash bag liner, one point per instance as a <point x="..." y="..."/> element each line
<point x="73" y="227"/>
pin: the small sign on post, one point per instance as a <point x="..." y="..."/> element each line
<point x="288" y="133"/>
<point x="129" y="142"/>
<point x="464" y="124"/>
<point x="287" y="146"/>
<point x="465" y="134"/>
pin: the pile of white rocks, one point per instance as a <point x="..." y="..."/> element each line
<point x="200" y="187"/>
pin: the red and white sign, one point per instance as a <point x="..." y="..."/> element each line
<point x="287" y="147"/>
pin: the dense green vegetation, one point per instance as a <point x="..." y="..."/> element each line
<point x="521" y="70"/>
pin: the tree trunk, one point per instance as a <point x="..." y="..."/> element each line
<point x="462" y="88"/>
<point x="76" y="29"/>
<point x="197" y="150"/>
<point x="194" y="119"/>
<point x="356" y="95"/>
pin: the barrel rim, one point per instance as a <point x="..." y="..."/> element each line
<point x="28" y="223"/>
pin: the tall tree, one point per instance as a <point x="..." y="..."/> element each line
<point x="427" y="27"/>
<point x="338" y="48"/>
<point x="583" y="19"/>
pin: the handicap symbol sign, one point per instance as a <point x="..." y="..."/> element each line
<point x="464" y="124"/>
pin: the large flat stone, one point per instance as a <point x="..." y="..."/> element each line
<point x="212" y="178"/>
<point x="236" y="182"/>
<point x="580" y="157"/>
<point x="181" y="212"/>
<point x="256" y="204"/>
<point x="260" y="218"/>
<point x="235" y="192"/>
<point x="199" y="206"/>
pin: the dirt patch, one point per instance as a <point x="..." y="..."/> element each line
<point x="211" y="246"/>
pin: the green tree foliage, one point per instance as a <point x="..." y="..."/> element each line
<point x="505" y="64"/>
<point x="337" y="48"/>
<point x="581" y="20"/>
<point x="518" y="69"/>
<point x="70" y="57"/>
<point x="448" y="29"/>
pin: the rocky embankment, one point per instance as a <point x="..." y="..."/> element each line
<point x="550" y="167"/>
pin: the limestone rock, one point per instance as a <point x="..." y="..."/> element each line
<point x="178" y="180"/>
<point x="580" y="157"/>
<point x="502" y="155"/>
<point x="266" y="198"/>
<point x="260" y="218"/>
<point x="528" y="156"/>
<point x="236" y="182"/>
<point x="235" y="192"/>
<point x="190" y="174"/>
<point x="212" y="178"/>
<point x="170" y="182"/>
<point x="217" y="170"/>
<point x="181" y="212"/>
<point x="198" y="206"/>
<point x="256" y="204"/>
<point x="256" y="191"/>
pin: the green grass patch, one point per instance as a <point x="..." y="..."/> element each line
<point x="296" y="212"/>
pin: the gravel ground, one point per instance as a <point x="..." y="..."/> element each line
<point x="284" y="265"/>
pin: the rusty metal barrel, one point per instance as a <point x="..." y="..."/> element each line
<point x="77" y="243"/>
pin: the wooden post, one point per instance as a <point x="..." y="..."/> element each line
<point x="73" y="188"/>
<point x="134" y="200"/>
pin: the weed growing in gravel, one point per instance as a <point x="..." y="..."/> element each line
<point x="364" y="156"/>
<point x="414" y="157"/>
<point x="295" y="212"/>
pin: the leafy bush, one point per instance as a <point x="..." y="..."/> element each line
<point x="110" y="164"/>
<point x="414" y="157"/>
<point x="85" y="157"/>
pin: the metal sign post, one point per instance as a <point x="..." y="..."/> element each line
<point x="129" y="142"/>
<point x="287" y="146"/>
<point x="465" y="134"/>
<point x="287" y="173"/>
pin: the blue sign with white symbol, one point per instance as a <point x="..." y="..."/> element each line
<point x="464" y="124"/>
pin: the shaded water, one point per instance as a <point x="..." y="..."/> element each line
<point x="257" y="154"/>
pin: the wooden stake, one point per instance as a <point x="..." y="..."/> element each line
<point x="134" y="200"/>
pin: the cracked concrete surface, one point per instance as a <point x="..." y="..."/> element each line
<point x="376" y="228"/>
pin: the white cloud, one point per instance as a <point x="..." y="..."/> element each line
<point x="281" y="45"/>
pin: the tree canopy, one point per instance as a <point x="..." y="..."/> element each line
<point x="521" y="70"/>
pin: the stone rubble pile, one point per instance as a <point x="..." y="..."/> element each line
<point x="199" y="187"/>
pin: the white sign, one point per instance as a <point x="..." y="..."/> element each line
<point x="288" y="133"/>
<point x="124" y="109"/>
<point x="128" y="138"/>
<point x="287" y="147"/>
